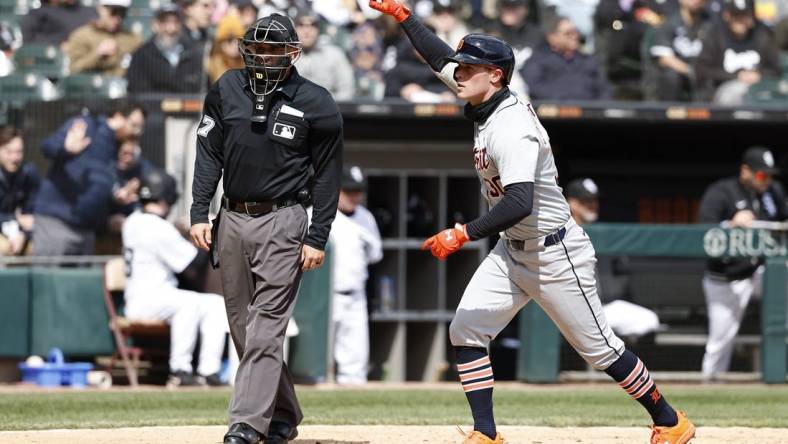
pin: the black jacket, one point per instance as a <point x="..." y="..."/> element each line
<point x="298" y="147"/>
<point x="725" y="198"/>
<point x="150" y="72"/>
<point x="18" y="191"/>
<point x="551" y="76"/>
<point x="723" y="57"/>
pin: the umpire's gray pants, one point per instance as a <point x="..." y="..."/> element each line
<point x="260" y="266"/>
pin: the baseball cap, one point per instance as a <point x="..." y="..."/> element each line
<point x="353" y="179"/>
<point x="760" y="158"/>
<point x="512" y="3"/>
<point x="167" y="8"/>
<point x="116" y="3"/>
<point x="582" y="188"/>
<point x="739" y="5"/>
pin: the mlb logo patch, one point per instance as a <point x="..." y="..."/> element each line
<point x="284" y="131"/>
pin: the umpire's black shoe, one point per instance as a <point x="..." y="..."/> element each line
<point x="242" y="433"/>
<point x="280" y="433"/>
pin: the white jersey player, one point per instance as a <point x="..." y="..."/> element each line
<point x="542" y="254"/>
<point x="155" y="252"/>
<point x="356" y="244"/>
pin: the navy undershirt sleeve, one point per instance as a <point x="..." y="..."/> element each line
<point x="429" y="45"/>
<point x="516" y="205"/>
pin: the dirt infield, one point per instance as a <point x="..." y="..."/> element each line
<point x="390" y="434"/>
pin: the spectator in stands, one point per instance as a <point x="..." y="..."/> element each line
<point x="559" y="71"/>
<point x="366" y="57"/>
<point x="672" y="56"/>
<point x="737" y="53"/>
<point x="619" y="26"/>
<point x="103" y="46"/>
<point x="447" y="22"/>
<point x="630" y="321"/>
<point x="19" y="182"/>
<point x="224" y="51"/>
<point x="75" y="196"/>
<point x="197" y="20"/>
<point x="54" y="21"/>
<point x="321" y="62"/>
<point x="512" y="24"/>
<point x="729" y="283"/>
<point x="10" y="41"/>
<point x="247" y="11"/>
<point x="165" y="64"/>
<point x="414" y="81"/>
<point x="343" y="13"/>
<point x="155" y="252"/>
<point x="580" y="12"/>
<point x="356" y="242"/>
<point x="130" y="168"/>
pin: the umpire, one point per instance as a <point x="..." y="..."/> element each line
<point x="277" y="138"/>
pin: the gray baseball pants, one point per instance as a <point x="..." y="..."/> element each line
<point x="260" y="267"/>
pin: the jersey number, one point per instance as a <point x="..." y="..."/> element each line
<point x="494" y="187"/>
<point x="128" y="255"/>
<point x="207" y="126"/>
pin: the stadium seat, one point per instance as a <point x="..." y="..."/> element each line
<point x="125" y="330"/>
<point x="92" y="86"/>
<point x="18" y="88"/>
<point x="46" y="60"/>
<point x="769" y="92"/>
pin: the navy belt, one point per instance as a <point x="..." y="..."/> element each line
<point x="550" y="239"/>
<point x="258" y="208"/>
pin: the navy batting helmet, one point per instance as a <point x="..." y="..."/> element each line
<point x="157" y="185"/>
<point x="479" y="49"/>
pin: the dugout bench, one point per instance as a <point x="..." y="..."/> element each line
<point x="538" y="360"/>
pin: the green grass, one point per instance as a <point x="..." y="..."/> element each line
<point x="750" y="406"/>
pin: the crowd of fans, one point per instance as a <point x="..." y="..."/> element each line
<point x="669" y="50"/>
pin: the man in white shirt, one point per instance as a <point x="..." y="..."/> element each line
<point x="155" y="252"/>
<point x="356" y="242"/>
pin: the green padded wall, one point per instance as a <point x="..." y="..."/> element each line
<point x="68" y="312"/>
<point x="309" y="350"/>
<point x="14" y="312"/>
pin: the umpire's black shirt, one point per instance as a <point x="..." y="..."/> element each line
<point x="299" y="146"/>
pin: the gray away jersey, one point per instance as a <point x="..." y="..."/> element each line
<point x="510" y="147"/>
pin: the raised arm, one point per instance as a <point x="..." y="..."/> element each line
<point x="429" y="45"/>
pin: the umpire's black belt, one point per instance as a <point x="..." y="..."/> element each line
<point x="550" y="239"/>
<point x="258" y="208"/>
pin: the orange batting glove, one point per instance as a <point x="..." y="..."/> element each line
<point x="391" y="7"/>
<point x="446" y="242"/>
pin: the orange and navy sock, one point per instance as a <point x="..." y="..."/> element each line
<point x="632" y="375"/>
<point x="476" y="376"/>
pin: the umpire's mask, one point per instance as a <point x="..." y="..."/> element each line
<point x="269" y="48"/>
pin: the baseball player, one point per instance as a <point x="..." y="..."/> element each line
<point x="542" y="254"/>
<point x="155" y="252"/>
<point x="276" y="138"/>
<point x="729" y="283"/>
<point x="357" y="244"/>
